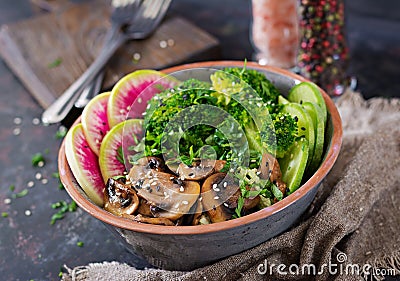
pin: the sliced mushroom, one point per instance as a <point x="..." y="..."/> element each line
<point x="270" y="168"/>
<point x="120" y="198"/>
<point x="215" y="190"/>
<point x="249" y="203"/>
<point x="171" y="197"/>
<point x="144" y="208"/>
<point x="151" y="162"/>
<point x="200" y="169"/>
<point x="197" y="213"/>
<point x="144" y="219"/>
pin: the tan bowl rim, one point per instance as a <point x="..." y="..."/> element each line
<point x="106" y="217"/>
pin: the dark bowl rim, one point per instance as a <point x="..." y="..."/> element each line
<point x="67" y="177"/>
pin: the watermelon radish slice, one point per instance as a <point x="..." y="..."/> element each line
<point x="115" y="148"/>
<point x="141" y="85"/>
<point x="84" y="164"/>
<point x="95" y="122"/>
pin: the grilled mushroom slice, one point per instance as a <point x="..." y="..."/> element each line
<point x="200" y="169"/>
<point x="170" y="196"/>
<point x="144" y="219"/>
<point x="152" y="162"/>
<point x="215" y="190"/>
<point x="270" y="168"/>
<point x="120" y="198"/>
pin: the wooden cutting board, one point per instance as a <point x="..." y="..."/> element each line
<point x="50" y="51"/>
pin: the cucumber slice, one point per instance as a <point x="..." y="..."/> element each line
<point x="305" y="124"/>
<point x="316" y="114"/>
<point x="307" y="91"/>
<point x="294" y="164"/>
<point x="282" y="100"/>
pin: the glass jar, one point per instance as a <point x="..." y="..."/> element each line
<point x="275" y="32"/>
<point x="323" y="53"/>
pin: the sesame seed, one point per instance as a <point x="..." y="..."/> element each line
<point x="225" y="184"/>
<point x="258" y="173"/>
<point x="154" y="183"/>
<point x="226" y="204"/>
<point x="170" y="42"/>
<point x="35" y="121"/>
<point x="122" y="111"/>
<point x="28" y="213"/>
<point x="16" y="131"/>
<point x="214" y="185"/>
<point x="216" y="197"/>
<point x="185" y="202"/>
<point x="217" y="189"/>
<point x="181" y="189"/>
<point x="7" y="201"/>
<point x="176" y="205"/>
<point x="137" y="56"/>
<point x="163" y="44"/>
<point x="30" y="184"/>
<point x="171" y="178"/>
<point x="200" y="198"/>
<point x="45" y="181"/>
<point x="38" y="176"/>
<point x="17" y="120"/>
<point x="40" y="164"/>
<point x="139" y="100"/>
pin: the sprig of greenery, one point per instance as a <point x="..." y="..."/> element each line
<point x="63" y="207"/>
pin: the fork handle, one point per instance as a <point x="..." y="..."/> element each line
<point x="57" y="111"/>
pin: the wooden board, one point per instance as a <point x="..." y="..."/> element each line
<point x="74" y="35"/>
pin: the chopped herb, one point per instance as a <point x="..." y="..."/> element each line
<point x="120" y="155"/>
<point x="20" y="194"/>
<point x="46" y="151"/>
<point x="4" y="214"/>
<point x="61" y="132"/>
<point x="277" y="193"/>
<point x="63" y="207"/>
<point x="12" y="188"/>
<point x="37" y="158"/>
<point x="55" y="63"/>
<point x="79" y="244"/>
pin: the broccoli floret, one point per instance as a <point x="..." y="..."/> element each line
<point x="236" y="79"/>
<point x="279" y="135"/>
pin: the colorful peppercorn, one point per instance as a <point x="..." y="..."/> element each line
<point x="323" y="53"/>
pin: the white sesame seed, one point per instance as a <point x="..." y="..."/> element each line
<point x="154" y="183"/>
<point x="176" y="206"/>
<point x="38" y="176"/>
<point x="40" y="164"/>
<point x="30" y="184"/>
<point x="137" y="56"/>
<point x="17" y="120"/>
<point x="139" y="100"/>
<point x="122" y="111"/>
<point x="185" y="202"/>
<point x="171" y="178"/>
<point x="181" y="189"/>
<point x="45" y="181"/>
<point x="35" y="121"/>
<point x="217" y="189"/>
<point x="170" y="42"/>
<point x="7" y="201"/>
<point x="258" y="173"/>
<point x="216" y="197"/>
<point x="16" y="131"/>
<point x="182" y="177"/>
<point x="225" y="184"/>
<point x="226" y="204"/>
<point x="28" y="213"/>
<point x="163" y="44"/>
<point x="200" y="198"/>
<point x="214" y="185"/>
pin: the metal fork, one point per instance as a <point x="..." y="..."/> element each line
<point x="125" y="26"/>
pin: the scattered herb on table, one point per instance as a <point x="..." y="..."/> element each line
<point x="61" y="132"/>
<point x="12" y="188"/>
<point x="4" y="214"/>
<point x="20" y="194"/>
<point x="79" y="244"/>
<point x="63" y="207"/>
<point x="55" y="63"/>
<point x="38" y="160"/>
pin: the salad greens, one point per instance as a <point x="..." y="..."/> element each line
<point x="242" y="106"/>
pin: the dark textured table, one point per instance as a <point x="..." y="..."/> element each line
<point x="31" y="248"/>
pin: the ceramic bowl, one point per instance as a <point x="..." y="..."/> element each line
<point x="189" y="247"/>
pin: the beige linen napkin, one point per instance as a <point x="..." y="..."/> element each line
<point x="350" y="232"/>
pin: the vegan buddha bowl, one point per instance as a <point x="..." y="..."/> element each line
<point x="205" y="160"/>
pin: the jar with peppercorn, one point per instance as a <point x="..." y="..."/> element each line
<point x="323" y="53"/>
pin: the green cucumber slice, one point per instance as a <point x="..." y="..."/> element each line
<point x="316" y="114"/>
<point x="294" y="164"/>
<point x="282" y="100"/>
<point x="305" y="124"/>
<point x="307" y="91"/>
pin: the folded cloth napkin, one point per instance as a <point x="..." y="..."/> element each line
<point x="350" y="232"/>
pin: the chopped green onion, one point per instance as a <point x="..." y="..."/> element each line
<point x="12" y="188"/>
<point x="79" y="244"/>
<point x="37" y="158"/>
<point x="4" y="214"/>
<point x="20" y="194"/>
<point x="55" y="63"/>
